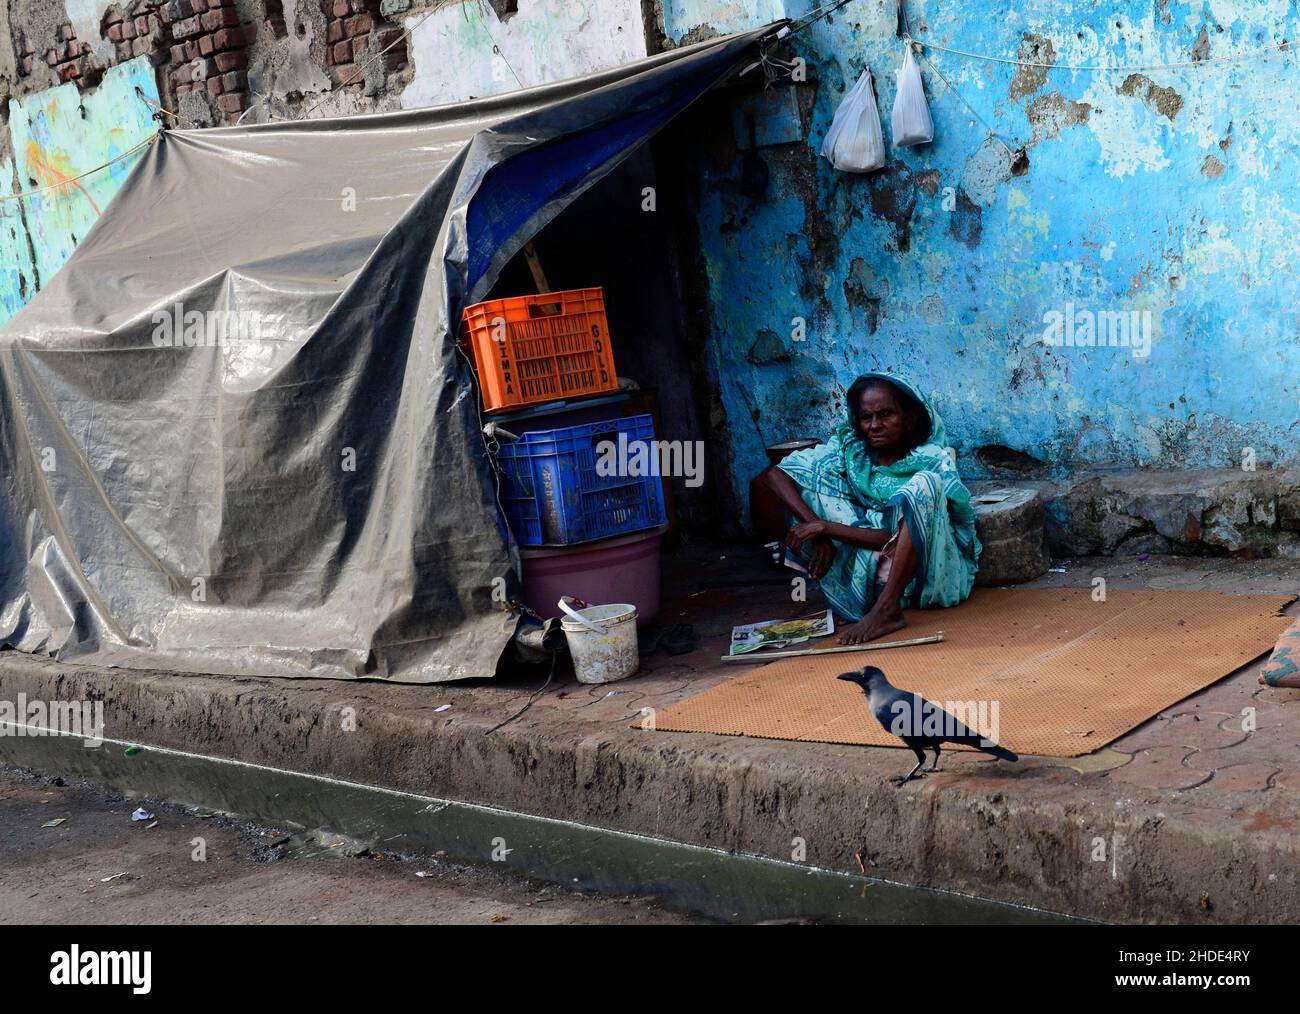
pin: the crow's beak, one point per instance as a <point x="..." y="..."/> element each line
<point x="848" y="677"/>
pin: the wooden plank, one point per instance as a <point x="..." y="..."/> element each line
<point x="535" y="266"/>
<point x="763" y="656"/>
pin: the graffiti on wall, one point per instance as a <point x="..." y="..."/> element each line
<point x="58" y="136"/>
<point x="17" y="279"/>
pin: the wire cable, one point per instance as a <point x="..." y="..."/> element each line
<point x="495" y="47"/>
<point x="81" y="176"/>
<point x="532" y="699"/>
<point x="974" y="112"/>
<point x="162" y="109"/>
<point x="815" y="15"/>
<point x="1282" y="47"/>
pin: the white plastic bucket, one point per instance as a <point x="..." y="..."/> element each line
<point x="602" y="641"/>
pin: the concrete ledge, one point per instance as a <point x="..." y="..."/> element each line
<point x="1205" y="512"/>
<point x="1222" y="831"/>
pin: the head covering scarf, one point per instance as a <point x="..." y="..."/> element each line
<point x="840" y="482"/>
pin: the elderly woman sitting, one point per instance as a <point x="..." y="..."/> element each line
<point x="883" y="521"/>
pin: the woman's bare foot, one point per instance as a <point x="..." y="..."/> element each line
<point x="876" y="623"/>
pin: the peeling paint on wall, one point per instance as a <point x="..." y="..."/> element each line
<point x="687" y="21"/>
<point x="85" y="15"/>
<point x="1168" y="195"/>
<point x="465" y="51"/>
<point x="17" y="279"/>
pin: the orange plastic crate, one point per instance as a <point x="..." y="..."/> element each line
<point x="526" y="352"/>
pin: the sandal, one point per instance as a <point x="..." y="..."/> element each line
<point x="680" y="640"/>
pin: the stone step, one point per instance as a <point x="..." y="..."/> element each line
<point x="1011" y="521"/>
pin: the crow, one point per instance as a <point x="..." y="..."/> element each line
<point x="916" y="721"/>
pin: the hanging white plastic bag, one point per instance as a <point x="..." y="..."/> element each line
<point x="855" y="143"/>
<point x="910" y="122"/>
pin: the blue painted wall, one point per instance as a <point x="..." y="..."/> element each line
<point x="1172" y="192"/>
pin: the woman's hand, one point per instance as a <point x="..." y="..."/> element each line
<point x="808" y="531"/>
<point x="821" y="550"/>
<point x="823" y="555"/>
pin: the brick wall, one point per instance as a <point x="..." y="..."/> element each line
<point x="352" y="29"/>
<point x="208" y="47"/>
<point x="208" y="51"/>
<point x="134" y="33"/>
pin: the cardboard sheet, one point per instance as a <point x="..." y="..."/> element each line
<point x="1066" y="674"/>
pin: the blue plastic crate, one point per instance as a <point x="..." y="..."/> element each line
<point x="553" y="497"/>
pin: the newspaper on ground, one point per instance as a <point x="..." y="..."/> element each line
<point x="780" y="633"/>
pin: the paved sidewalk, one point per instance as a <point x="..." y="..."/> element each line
<point x="1189" y="818"/>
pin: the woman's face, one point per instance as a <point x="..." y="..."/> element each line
<point x="880" y="418"/>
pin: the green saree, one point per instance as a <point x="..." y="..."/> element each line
<point x="840" y="483"/>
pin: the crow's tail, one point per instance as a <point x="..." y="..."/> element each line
<point x="1001" y="752"/>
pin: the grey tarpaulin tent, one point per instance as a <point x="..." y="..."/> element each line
<point x="309" y="495"/>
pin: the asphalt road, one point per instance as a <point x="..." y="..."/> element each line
<point x="69" y="872"/>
